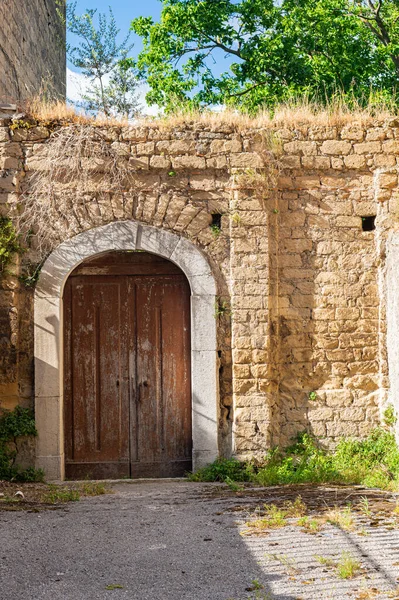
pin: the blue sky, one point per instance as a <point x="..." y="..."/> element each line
<point x="124" y="11"/>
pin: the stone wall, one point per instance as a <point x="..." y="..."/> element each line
<point x="32" y="49"/>
<point x="301" y="286"/>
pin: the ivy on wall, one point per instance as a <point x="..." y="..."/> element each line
<point x="9" y="243"/>
<point x="14" y="425"/>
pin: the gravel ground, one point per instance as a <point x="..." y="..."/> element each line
<point x="174" y="540"/>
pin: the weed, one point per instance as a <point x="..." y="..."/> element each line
<point x="216" y="231"/>
<point x="9" y="243"/>
<point x="114" y="586"/>
<point x="311" y="525"/>
<point x="312" y="396"/>
<point x="222" y="308"/>
<point x="372" y="462"/>
<point x="390" y="417"/>
<point x="295" y="509"/>
<point x="364" y="506"/>
<point x="347" y="566"/>
<point x="223" y="468"/>
<point x="325" y="561"/>
<point x="57" y="494"/>
<point x="273" y="519"/>
<point x="341" y="518"/>
<point x="286" y="561"/>
<point x="236" y="218"/>
<point x="235" y="487"/>
<point x="255" y="585"/>
<point x="93" y="488"/>
<point x="172" y="174"/>
<point x="14" y="425"/>
<point x="30" y="274"/>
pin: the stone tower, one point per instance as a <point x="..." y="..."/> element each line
<point x="32" y="49"/>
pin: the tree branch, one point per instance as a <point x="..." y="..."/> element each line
<point x="248" y="89"/>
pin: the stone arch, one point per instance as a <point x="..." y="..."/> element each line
<point x="48" y="328"/>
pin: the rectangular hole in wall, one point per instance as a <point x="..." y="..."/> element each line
<point x="368" y="223"/>
<point x="216" y="220"/>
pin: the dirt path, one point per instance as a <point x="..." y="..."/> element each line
<point x="185" y="541"/>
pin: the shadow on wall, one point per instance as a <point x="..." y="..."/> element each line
<point x="328" y="332"/>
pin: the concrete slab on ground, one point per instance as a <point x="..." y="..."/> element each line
<point x="175" y="540"/>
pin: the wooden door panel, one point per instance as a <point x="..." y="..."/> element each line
<point x="97" y="432"/>
<point x="176" y="372"/>
<point x="162" y="435"/>
<point x="127" y="369"/>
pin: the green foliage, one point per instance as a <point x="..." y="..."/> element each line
<point x="274" y="51"/>
<point x="372" y="462"/>
<point x="13" y="425"/>
<point x="30" y="274"/>
<point x="390" y="418"/>
<point x="114" y="586"/>
<point x="58" y="494"/>
<point x="99" y="54"/>
<point x="223" y="469"/>
<point x="222" y="308"/>
<point x="9" y="243"/>
<point x="348" y="566"/>
<point x="216" y="231"/>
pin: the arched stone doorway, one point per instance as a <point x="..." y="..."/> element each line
<point x="49" y="327"/>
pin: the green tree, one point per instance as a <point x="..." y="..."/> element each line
<point x="98" y="55"/>
<point x="276" y="50"/>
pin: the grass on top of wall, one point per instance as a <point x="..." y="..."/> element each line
<point x="372" y="462"/>
<point x="336" y="111"/>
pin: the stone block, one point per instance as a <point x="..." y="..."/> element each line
<point x="335" y="147"/>
<point x="246" y="160"/>
<point x="4" y="134"/>
<point x="301" y="148"/>
<point x="203" y="322"/>
<point x="48" y="417"/>
<point x="160" y="162"/>
<point x="188" y="162"/>
<point x="355" y="161"/>
<point x="47" y="347"/>
<point x="367" y="148"/>
<point x="352" y="132"/>
<point x="176" y="147"/>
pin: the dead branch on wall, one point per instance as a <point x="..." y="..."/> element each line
<point x="77" y="163"/>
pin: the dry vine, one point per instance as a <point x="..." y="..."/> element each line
<point x="75" y="165"/>
<point x="262" y="181"/>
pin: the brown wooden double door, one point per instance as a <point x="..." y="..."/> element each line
<point x="127" y="393"/>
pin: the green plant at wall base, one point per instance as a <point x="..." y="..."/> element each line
<point x="9" y="243"/>
<point x="223" y="469"/>
<point x="16" y="424"/>
<point x="372" y="462"/>
<point x="312" y="396"/>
